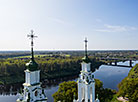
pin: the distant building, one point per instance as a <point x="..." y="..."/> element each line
<point x="32" y="91"/>
<point x="86" y="82"/>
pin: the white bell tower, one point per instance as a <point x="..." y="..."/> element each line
<point x="32" y="91"/>
<point x="86" y="82"/>
<point x="86" y="85"/>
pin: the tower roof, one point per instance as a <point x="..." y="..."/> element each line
<point x="86" y="58"/>
<point x="32" y="65"/>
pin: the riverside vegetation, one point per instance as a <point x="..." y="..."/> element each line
<point x="129" y="85"/>
<point x="52" y="67"/>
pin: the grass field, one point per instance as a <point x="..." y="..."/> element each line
<point x="41" y="55"/>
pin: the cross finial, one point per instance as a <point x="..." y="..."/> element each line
<point x="32" y="36"/>
<point x="85" y="46"/>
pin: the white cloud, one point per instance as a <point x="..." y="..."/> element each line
<point x="113" y="28"/>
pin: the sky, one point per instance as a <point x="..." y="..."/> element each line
<point x="64" y="24"/>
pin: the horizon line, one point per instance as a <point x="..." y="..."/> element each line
<point x="72" y="50"/>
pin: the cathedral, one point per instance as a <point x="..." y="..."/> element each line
<point x="33" y="92"/>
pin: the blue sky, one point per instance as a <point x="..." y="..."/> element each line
<point x="63" y="24"/>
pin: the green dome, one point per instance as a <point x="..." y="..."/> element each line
<point x="32" y="65"/>
<point x="86" y="59"/>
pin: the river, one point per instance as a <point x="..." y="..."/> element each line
<point x="111" y="76"/>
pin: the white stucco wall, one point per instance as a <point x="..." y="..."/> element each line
<point x="32" y="77"/>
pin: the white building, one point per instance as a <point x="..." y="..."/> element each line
<point x="32" y="91"/>
<point x="86" y="82"/>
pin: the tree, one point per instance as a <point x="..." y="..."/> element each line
<point x="129" y="86"/>
<point x="66" y="92"/>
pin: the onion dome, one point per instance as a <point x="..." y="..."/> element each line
<point x="32" y="65"/>
<point x="86" y="59"/>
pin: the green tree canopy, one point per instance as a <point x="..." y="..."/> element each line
<point x="129" y="86"/>
<point x="66" y="92"/>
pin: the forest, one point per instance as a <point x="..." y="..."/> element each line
<point x="52" y="67"/>
<point x="129" y="85"/>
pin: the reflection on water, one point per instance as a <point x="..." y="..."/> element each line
<point x="109" y="75"/>
<point x="9" y="93"/>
